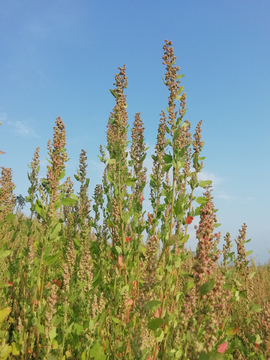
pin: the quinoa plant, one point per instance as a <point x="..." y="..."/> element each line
<point x="78" y="289"/>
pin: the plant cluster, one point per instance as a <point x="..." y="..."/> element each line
<point x="72" y="288"/>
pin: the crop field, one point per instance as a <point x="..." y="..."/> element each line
<point x="74" y="287"/>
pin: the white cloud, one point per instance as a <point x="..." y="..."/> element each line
<point x="224" y="195"/>
<point x="22" y="129"/>
<point x="205" y="175"/>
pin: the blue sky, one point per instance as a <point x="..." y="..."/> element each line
<point x="59" y="58"/>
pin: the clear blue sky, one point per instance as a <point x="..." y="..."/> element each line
<point x="59" y="58"/>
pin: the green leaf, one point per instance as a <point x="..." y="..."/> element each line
<point x="202" y="200"/>
<point x="4" y="253"/>
<point x="40" y="210"/>
<point x="178" y="208"/>
<point x="176" y="133"/>
<point x="216" y="225"/>
<point x="172" y="240"/>
<point x="52" y="333"/>
<point x="256" y="308"/>
<point x="124" y="288"/>
<point x="73" y="196"/>
<point x="76" y="177"/>
<point x="249" y="252"/>
<point x="130" y="181"/>
<point x="207" y="287"/>
<point x="185" y="124"/>
<point x="250" y="276"/>
<point x="16" y="348"/>
<point x="160" y="336"/>
<point x="40" y="328"/>
<point x="78" y="329"/>
<point x="154" y="324"/>
<point x="87" y="182"/>
<point x="110" y="161"/>
<point x="55" y="231"/>
<point x="68" y="201"/>
<point x="204" y="183"/>
<point x="61" y="175"/>
<point x="181" y="89"/>
<point x="4" y="313"/>
<point x="51" y="259"/>
<point x="179" y="76"/>
<point x="117" y="321"/>
<point x="10" y="217"/>
<point x="113" y="93"/>
<point x="167" y="158"/>
<point x="152" y="305"/>
<point x="166" y="167"/>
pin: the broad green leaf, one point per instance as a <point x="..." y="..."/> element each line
<point x="78" y="329"/>
<point x="179" y="76"/>
<point x="40" y="210"/>
<point x="51" y="259"/>
<point x="204" y="183"/>
<point x="256" y="308"/>
<point x="216" y="225"/>
<point x="110" y="161"/>
<point x="52" y="333"/>
<point x="202" y="200"/>
<point x="55" y="231"/>
<point x="117" y="321"/>
<point x="10" y="217"/>
<point x="4" y="313"/>
<point x="172" y="240"/>
<point x="124" y="288"/>
<point x="152" y="305"/>
<point x="166" y="167"/>
<point x="185" y="124"/>
<point x="130" y="181"/>
<point x="110" y="223"/>
<point x="154" y="324"/>
<point x="74" y="197"/>
<point x="167" y="158"/>
<point x="40" y="328"/>
<point x="178" y="208"/>
<point x="207" y="287"/>
<point x="160" y="335"/>
<point x="4" y="253"/>
<point x="16" y="348"/>
<point x="176" y="133"/>
<point x="63" y="173"/>
<point x="249" y="252"/>
<point x="68" y="201"/>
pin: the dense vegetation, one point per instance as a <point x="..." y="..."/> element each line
<point x="72" y="288"/>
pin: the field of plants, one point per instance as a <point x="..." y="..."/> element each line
<point x="72" y="287"/>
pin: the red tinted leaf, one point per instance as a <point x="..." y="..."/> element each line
<point x="189" y="220"/>
<point x="222" y="348"/>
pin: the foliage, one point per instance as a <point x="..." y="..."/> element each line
<point x="71" y="288"/>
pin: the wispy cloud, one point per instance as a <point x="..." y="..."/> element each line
<point x="20" y="128"/>
<point x="225" y="196"/>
